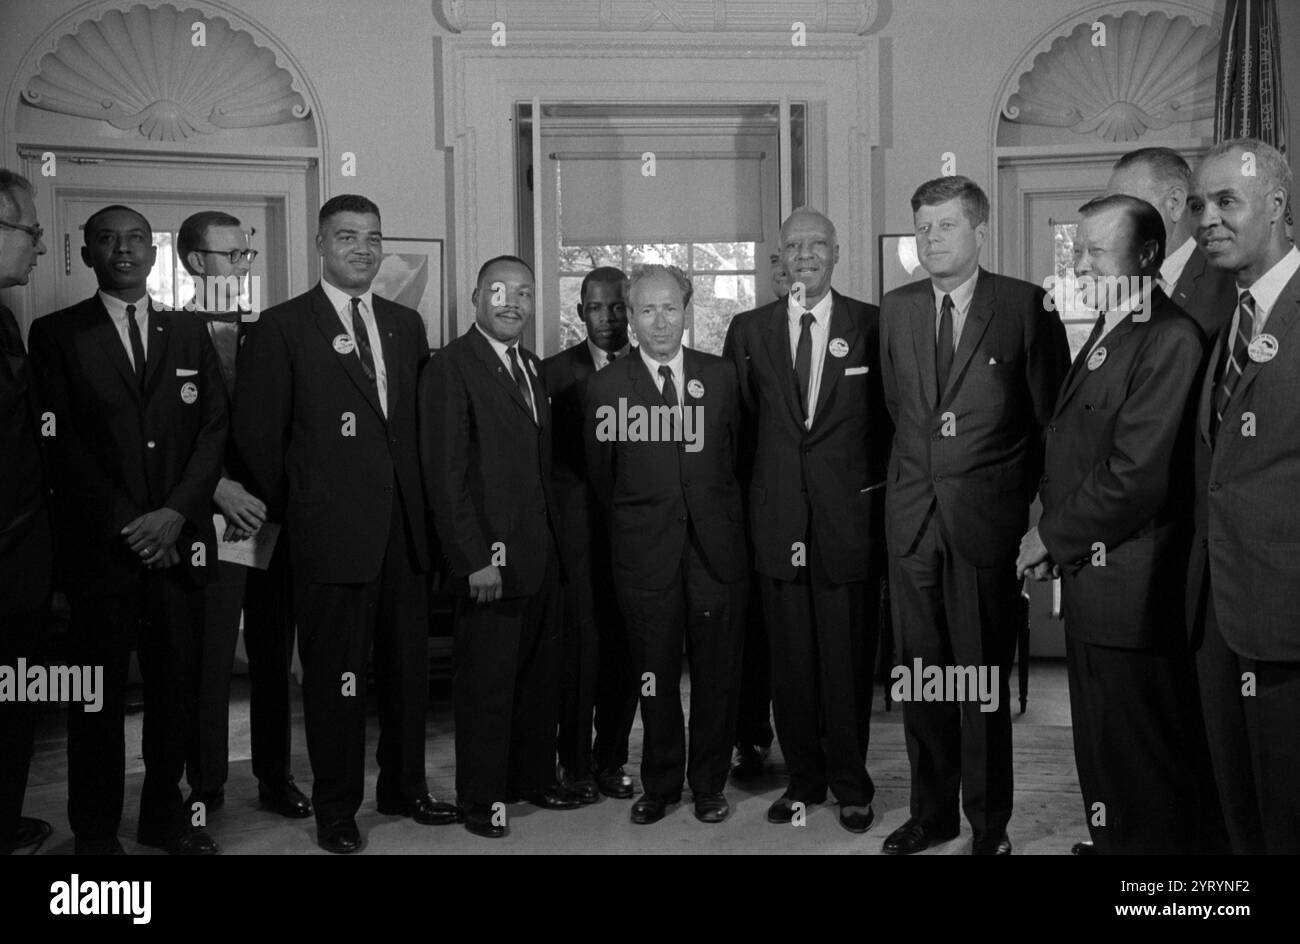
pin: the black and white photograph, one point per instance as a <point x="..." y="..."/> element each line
<point x="650" y="428"/>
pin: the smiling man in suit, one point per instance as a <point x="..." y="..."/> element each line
<point x="972" y="362"/>
<point x="678" y="539"/>
<point x="808" y="366"/>
<point x="1244" y="581"/>
<point x="140" y="417"/>
<point x="485" y="443"/>
<point x="214" y="249"/>
<point x="1161" y="177"/>
<point x="325" y="435"/>
<point x="596" y="684"/>
<point x="1117" y="527"/>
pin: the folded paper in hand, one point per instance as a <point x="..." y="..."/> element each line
<point x="251" y="552"/>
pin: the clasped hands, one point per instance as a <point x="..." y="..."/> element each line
<point x="1034" y="560"/>
<point x="152" y="537"/>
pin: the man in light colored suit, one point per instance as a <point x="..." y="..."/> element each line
<point x="1243" y="589"/>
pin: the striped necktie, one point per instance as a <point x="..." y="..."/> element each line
<point x="1237" y="357"/>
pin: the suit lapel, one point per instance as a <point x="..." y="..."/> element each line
<point x="387" y="325"/>
<point x="972" y="332"/>
<point x="159" y="331"/>
<point x="110" y="342"/>
<point x="1208" y="383"/>
<point x="1280" y="320"/>
<point x="841" y="327"/>
<point x="497" y="369"/>
<point x="331" y="328"/>
<point x="1111" y="343"/>
<point x="923" y="341"/>
<point x="776" y="341"/>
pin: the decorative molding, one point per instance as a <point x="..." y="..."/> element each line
<point x="141" y="69"/>
<point x="855" y="17"/>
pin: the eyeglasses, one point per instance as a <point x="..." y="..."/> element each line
<point x="35" y="232"/>
<point x="234" y="255"/>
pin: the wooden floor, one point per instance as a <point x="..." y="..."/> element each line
<point x="1048" y="817"/>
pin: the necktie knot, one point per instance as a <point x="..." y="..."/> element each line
<point x="666" y="373"/>
<point x="1247" y="305"/>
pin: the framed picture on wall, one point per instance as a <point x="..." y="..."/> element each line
<point x="410" y="273"/>
<point x="899" y="263"/>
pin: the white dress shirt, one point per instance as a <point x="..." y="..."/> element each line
<point x="1171" y="270"/>
<point x="820" y="332"/>
<point x="342" y="302"/>
<point x="503" y="350"/>
<point x="601" y="358"/>
<point x="677" y="365"/>
<point x="117" y="311"/>
<point x="961" y="299"/>
<point x="1265" y="292"/>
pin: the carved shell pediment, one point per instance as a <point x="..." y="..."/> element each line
<point x="169" y="73"/>
<point x="1135" y="73"/>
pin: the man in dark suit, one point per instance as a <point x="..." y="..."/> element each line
<point x="1160" y="176"/>
<point x="972" y="362"/>
<point x="1117" y="527"/>
<point x="809" y="372"/>
<point x="213" y="248"/>
<point x="26" y="545"/>
<point x="1244" y="581"/>
<point x="485" y="444"/>
<point x="140" y="422"/>
<point x="678" y="539"/>
<point x="325" y="435"/>
<point x="596" y="682"/>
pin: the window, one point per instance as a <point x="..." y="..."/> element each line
<point x="1078" y="320"/>
<point x="169" y="284"/>
<point x="722" y="274"/>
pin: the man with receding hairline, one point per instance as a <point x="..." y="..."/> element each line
<point x="1243" y="592"/>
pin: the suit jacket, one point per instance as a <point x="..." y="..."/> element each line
<point x="487" y="464"/>
<point x="1118" y="448"/>
<point x="1010" y="360"/>
<point x="1208" y="294"/>
<point x="1247" y="517"/>
<point x="26" y="537"/>
<point x="118" y="453"/>
<point x="566" y="376"/>
<point x="653" y="490"/>
<point x="822" y="484"/>
<point x="311" y="440"/>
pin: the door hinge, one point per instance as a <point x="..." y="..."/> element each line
<point x="67" y="254"/>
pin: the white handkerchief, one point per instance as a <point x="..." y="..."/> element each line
<point x="186" y="372"/>
<point x="854" y="371"/>
<point x="992" y="361"/>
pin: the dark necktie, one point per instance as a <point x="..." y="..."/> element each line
<point x="362" y="338"/>
<point x="803" y="358"/>
<point x="137" y="345"/>
<point x="1237" y="358"/>
<point x="670" y="386"/>
<point x="521" y="381"/>
<point x="225" y="338"/>
<point x="943" y="346"/>
<point x="1082" y="357"/>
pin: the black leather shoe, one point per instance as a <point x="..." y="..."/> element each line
<point x="285" y="799"/>
<point x="554" y="797"/>
<point x="188" y="841"/>
<point x="211" y="800"/>
<point x="749" y="763"/>
<point x="782" y="809"/>
<point x="857" y="819"/>
<point x="583" y="788"/>
<point x="649" y="808"/>
<point x="98" y="847"/>
<point x="340" y="836"/>
<point x="27" y="832"/>
<point x="478" y="819"/>
<point x="991" y="843"/>
<point x="423" y="809"/>
<point x="711" y="807"/>
<point x="613" y="782"/>
<point x="914" y="836"/>
<point x="1083" y="848"/>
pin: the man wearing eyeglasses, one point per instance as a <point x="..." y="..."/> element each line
<point x="137" y="428"/>
<point x="213" y="247"/>
<point x="26" y="548"/>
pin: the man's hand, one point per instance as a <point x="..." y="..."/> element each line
<point x="152" y="535"/>
<point x="171" y="559"/>
<point x="485" y="585"/>
<point x="1032" y="553"/>
<point x="244" y="512"/>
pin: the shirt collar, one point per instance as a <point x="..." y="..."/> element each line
<point x="1171" y="270"/>
<point x="499" y="346"/>
<point x="677" y="364"/>
<point x="342" y="301"/>
<point x="821" y="311"/>
<point x="117" y="308"/>
<point x="961" y="295"/>
<point x="1269" y="285"/>
<point x="600" y="357"/>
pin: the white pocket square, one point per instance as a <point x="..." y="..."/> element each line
<point x="854" y="371"/>
<point x="871" y="488"/>
<point x="993" y="361"/>
<point x="186" y="372"/>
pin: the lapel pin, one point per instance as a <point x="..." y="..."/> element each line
<point x="343" y="344"/>
<point x="1263" y="349"/>
<point x="189" y="393"/>
<point x="695" y="389"/>
<point x="1097" y="358"/>
<point x="839" y="347"/>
